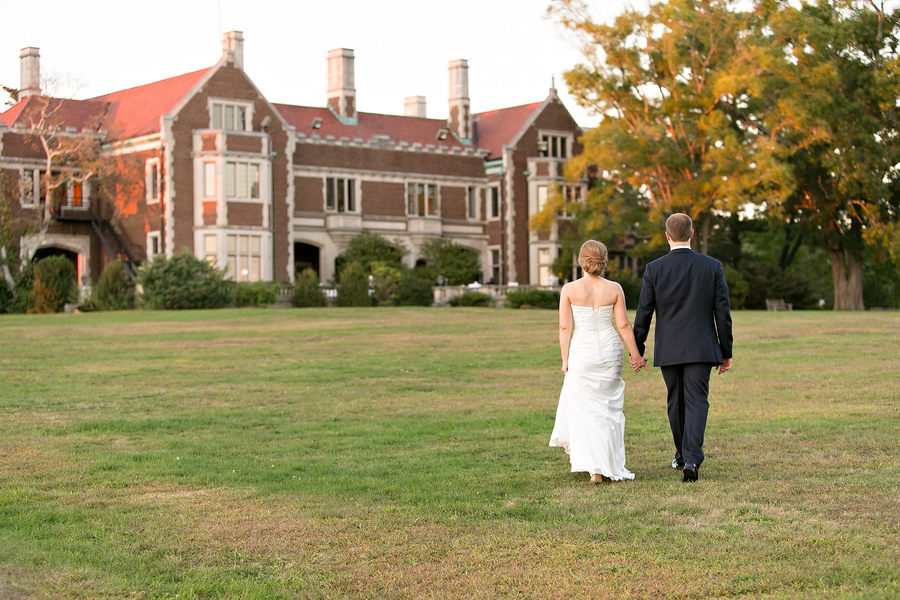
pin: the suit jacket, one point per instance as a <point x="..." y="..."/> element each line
<point x="688" y="292"/>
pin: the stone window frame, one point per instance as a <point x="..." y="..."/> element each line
<point x="258" y="164"/>
<point x="154" y="235"/>
<point x="492" y="266"/>
<point x="564" y="151"/>
<point x="224" y="103"/>
<point x="352" y="191"/>
<point x="490" y="202"/>
<point x="149" y="165"/>
<point x="437" y="199"/>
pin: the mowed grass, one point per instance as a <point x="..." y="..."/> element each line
<point x="402" y="453"/>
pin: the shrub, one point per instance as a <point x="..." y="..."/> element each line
<point x="353" y="286"/>
<point x="738" y="288"/>
<point x="368" y="248"/>
<point x="414" y="291"/>
<point x="386" y="283"/>
<point x="533" y="297"/>
<point x="472" y="299"/>
<point x="258" y="293"/>
<point x="54" y="284"/>
<point x="7" y="296"/>
<point x="23" y="292"/>
<point x="183" y="282"/>
<point x="113" y="292"/>
<point x="307" y="291"/>
<point x="458" y="265"/>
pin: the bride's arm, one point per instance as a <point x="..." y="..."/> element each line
<point x="625" y="329"/>
<point x="565" y="327"/>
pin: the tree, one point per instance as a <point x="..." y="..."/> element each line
<point x="667" y="85"/>
<point x="460" y="266"/>
<point x="368" y="248"/>
<point x="830" y="68"/>
<point x="68" y="134"/>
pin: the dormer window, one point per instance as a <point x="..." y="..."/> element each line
<point x="230" y="116"/>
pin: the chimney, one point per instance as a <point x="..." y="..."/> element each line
<point x="341" y="90"/>
<point x="30" y="73"/>
<point x="460" y="121"/>
<point x="414" y="106"/>
<point x="233" y="48"/>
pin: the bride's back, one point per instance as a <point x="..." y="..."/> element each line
<point x="591" y="291"/>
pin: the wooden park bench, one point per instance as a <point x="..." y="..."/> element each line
<point x="777" y="305"/>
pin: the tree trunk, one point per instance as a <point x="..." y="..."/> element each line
<point x="848" y="288"/>
<point x="705" y="227"/>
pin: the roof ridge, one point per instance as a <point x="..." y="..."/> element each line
<point x="158" y="81"/>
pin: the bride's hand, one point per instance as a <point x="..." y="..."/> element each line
<point x="565" y="367"/>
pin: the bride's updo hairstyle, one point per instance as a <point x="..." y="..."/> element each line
<point x="593" y="257"/>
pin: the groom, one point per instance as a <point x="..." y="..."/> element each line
<point x="693" y="335"/>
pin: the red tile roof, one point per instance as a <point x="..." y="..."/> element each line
<point x="136" y="111"/>
<point x="497" y="128"/>
<point x="79" y="114"/>
<point x="411" y="130"/>
<point x="124" y="114"/>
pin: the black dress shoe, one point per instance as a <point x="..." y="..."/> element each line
<point x="690" y="473"/>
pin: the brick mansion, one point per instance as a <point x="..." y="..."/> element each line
<point x="266" y="189"/>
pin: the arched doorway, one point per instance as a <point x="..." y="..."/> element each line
<point x="306" y="256"/>
<point x="52" y="251"/>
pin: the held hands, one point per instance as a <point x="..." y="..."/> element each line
<point x="565" y="367"/>
<point x="638" y="363"/>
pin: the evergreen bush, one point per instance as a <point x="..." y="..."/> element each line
<point x="7" y="296"/>
<point x="183" y="282"/>
<point x="473" y="299"/>
<point x="533" y="297"/>
<point x="386" y="283"/>
<point x="258" y="293"/>
<point x="113" y="292"/>
<point x="458" y="265"/>
<point x="23" y="292"/>
<point x="54" y="284"/>
<point x="414" y="291"/>
<point x="307" y="292"/>
<point x="368" y="248"/>
<point x="353" y="286"/>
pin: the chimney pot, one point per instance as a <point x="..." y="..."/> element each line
<point x="233" y="48"/>
<point x="414" y="106"/>
<point x="341" y="87"/>
<point x="29" y="72"/>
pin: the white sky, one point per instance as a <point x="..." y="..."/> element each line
<point x="402" y="47"/>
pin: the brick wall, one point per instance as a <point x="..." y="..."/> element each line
<point x="308" y="194"/>
<point x="247" y="214"/>
<point x="383" y="199"/>
<point x="394" y="161"/>
<point x="453" y="202"/>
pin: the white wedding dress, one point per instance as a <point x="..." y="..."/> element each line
<point x="589" y="424"/>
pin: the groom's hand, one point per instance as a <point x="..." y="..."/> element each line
<point x="726" y="365"/>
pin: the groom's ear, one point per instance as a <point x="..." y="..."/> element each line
<point x="690" y="237"/>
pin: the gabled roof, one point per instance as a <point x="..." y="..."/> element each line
<point x="498" y="128"/>
<point x="136" y="111"/>
<point x="412" y="130"/>
<point x="124" y="114"/>
<point x="79" y="114"/>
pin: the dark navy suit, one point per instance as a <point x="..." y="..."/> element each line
<point x="688" y="293"/>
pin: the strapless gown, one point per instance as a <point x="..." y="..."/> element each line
<point x="589" y="424"/>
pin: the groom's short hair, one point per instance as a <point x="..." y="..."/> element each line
<point x="679" y="227"/>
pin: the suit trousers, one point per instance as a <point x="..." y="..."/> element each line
<point x="688" y="388"/>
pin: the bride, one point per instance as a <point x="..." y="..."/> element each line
<point x="589" y="424"/>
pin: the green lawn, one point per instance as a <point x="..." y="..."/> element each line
<point x="402" y="453"/>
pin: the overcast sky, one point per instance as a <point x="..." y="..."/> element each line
<point x="402" y="47"/>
